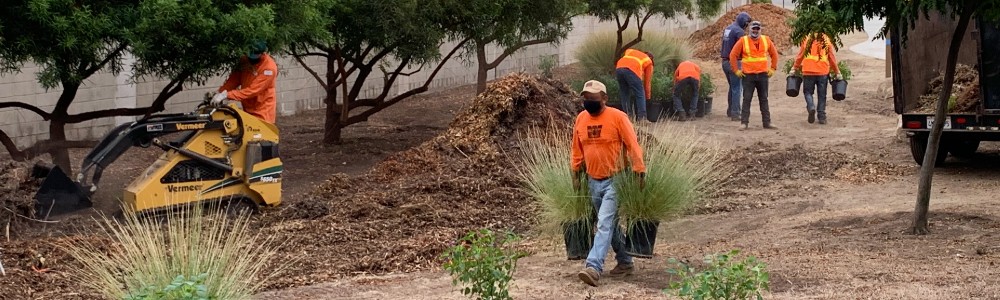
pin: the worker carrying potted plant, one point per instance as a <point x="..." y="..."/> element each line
<point x="687" y="78"/>
<point x="599" y="135"/>
<point x="815" y="61"/>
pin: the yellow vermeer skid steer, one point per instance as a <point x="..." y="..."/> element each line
<point x="223" y="154"/>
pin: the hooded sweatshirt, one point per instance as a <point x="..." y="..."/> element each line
<point x="733" y="33"/>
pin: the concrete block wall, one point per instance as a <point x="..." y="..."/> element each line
<point x="297" y="89"/>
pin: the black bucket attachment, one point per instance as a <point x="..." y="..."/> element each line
<point x="59" y="195"/>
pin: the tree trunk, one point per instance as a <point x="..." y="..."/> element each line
<point x="60" y="155"/>
<point x="57" y="127"/>
<point x="927" y="168"/>
<point x="482" y="73"/>
<point x="332" y="118"/>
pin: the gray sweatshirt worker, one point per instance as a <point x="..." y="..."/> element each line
<point x="732" y="34"/>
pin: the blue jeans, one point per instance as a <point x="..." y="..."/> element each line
<point x="817" y="84"/>
<point x="686" y="85"/>
<point x="630" y="85"/>
<point x="608" y="234"/>
<point x="735" y="89"/>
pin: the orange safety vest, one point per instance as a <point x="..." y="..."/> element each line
<point x="755" y="62"/>
<point x="817" y="61"/>
<point x="640" y="64"/>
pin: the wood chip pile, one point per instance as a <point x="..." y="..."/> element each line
<point x="708" y="41"/>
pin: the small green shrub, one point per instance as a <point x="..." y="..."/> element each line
<point x="723" y="278"/>
<point x="845" y="71"/>
<point x="787" y="68"/>
<point x="484" y="263"/>
<point x="546" y="64"/>
<point x="181" y="288"/>
<point x="707" y="86"/>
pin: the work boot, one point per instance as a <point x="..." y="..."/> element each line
<point x="745" y="126"/>
<point x="734" y="118"/>
<point x="812" y="116"/>
<point x="769" y="126"/>
<point x="590" y="276"/>
<point x="822" y="121"/>
<point x="622" y="269"/>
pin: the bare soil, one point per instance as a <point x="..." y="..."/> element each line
<point x="827" y="207"/>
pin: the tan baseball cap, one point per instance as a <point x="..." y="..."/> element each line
<point x="594" y="86"/>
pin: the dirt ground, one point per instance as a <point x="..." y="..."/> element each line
<point x="825" y="206"/>
<point x="830" y="220"/>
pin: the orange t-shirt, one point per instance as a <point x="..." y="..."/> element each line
<point x="598" y="141"/>
<point x="256" y="88"/>
<point x="687" y="69"/>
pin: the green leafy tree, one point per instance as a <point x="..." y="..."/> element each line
<point x="629" y="13"/>
<point x="362" y="38"/>
<point x="835" y="17"/>
<point x="509" y="24"/>
<point x="186" y="42"/>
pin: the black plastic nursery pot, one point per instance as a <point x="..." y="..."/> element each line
<point x="579" y="238"/>
<point x="839" y="89"/>
<point x="654" y="109"/>
<point x="640" y="239"/>
<point x="793" y="85"/>
<point x="704" y="106"/>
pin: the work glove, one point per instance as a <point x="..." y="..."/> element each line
<point x="219" y="98"/>
<point x="770" y="72"/>
<point x="739" y="73"/>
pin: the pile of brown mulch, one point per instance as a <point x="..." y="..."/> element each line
<point x="964" y="92"/>
<point x="17" y="191"/>
<point x="404" y="213"/>
<point x="708" y="40"/>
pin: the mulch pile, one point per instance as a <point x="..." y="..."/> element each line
<point x="792" y="171"/>
<point x="404" y="213"/>
<point x="17" y="189"/>
<point x="708" y="40"/>
<point x="965" y="92"/>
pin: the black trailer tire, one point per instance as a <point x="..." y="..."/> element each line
<point x="918" y="146"/>
<point x="964" y="148"/>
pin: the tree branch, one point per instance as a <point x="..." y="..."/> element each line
<point x="298" y="58"/>
<point x="45" y="115"/>
<point x="93" y="69"/>
<point x="423" y="88"/>
<point x="159" y="104"/>
<point x="8" y="143"/>
<point x="510" y="50"/>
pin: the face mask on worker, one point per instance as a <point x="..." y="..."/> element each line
<point x="592" y="106"/>
<point x="755" y="33"/>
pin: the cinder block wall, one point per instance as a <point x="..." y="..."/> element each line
<point x="297" y="89"/>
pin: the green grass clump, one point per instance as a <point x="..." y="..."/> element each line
<point x="192" y="252"/>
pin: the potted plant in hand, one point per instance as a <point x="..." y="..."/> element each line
<point x="680" y="171"/>
<point x="705" y="90"/>
<point x="546" y="174"/>
<point x="662" y="100"/>
<point x="793" y="82"/>
<point x="839" y="83"/>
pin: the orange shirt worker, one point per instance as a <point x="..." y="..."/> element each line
<point x="753" y="52"/>
<point x="253" y="84"/>
<point x="599" y="135"/>
<point x="687" y="78"/>
<point x="815" y="61"/>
